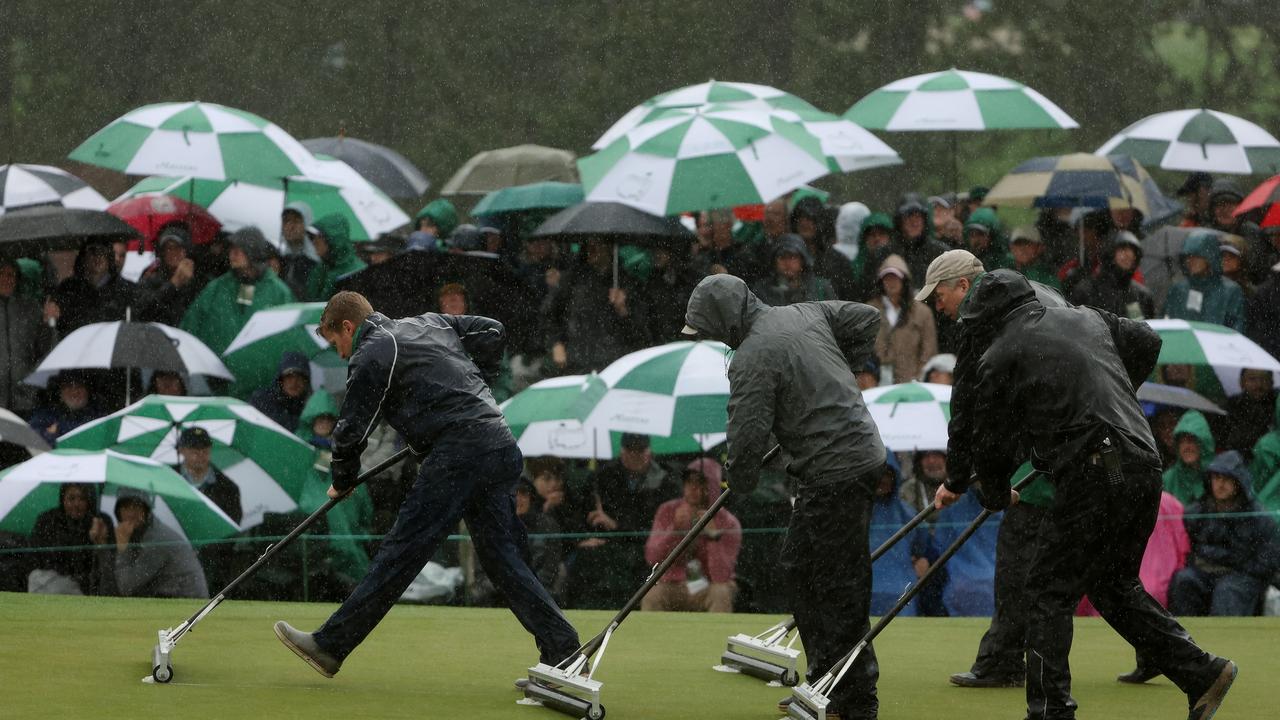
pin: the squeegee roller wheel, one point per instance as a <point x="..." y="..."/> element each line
<point x="162" y="673"/>
<point x="597" y="714"/>
<point x="789" y="678"/>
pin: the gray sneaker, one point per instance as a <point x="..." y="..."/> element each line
<point x="1204" y="707"/>
<point x="305" y="647"/>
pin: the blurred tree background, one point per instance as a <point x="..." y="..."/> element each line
<point x="440" y="81"/>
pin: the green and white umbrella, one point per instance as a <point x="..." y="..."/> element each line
<point x="32" y="487"/>
<point x="1205" y="345"/>
<point x="704" y="158"/>
<point x="254" y="353"/>
<point x="268" y="463"/>
<point x="332" y="188"/>
<point x="1198" y="140"/>
<point x="957" y="100"/>
<point x="744" y="96"/>
<point x="681" y="388"/>
<point x="196" y="139"/>
<point x="544" y="419"/>
<point x="911" y="416"/>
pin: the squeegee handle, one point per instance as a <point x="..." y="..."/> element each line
<point x="903" y="531"/>
<point x="293" y="534"/>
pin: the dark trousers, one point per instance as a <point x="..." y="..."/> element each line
<point x="828" y="569"/>
<point x="1092" y="541"/>
<point x="481" y="490"/>
<point x="1002" y="651"/>
<point x="1194" y="591"/>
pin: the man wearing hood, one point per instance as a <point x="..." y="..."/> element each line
<point x="792" y="377"/>
<point x="284" y="399"/>
<point x="229" y="300"/>
<point x="874" y="239"/>
<point x="95" y="292"/>
<point x="1058" y="382"/>
<point x="299" y="254"/>
<point x="1194" y="445"/>
<point x="1266" y="464"/>
<point x="913" y="238"/>
<point x="337" y="257"/>
<point x="171" y="284"/>
<point x="433" y="223"/>
<point x="1113" y="289"/>
<point x="793" y="279"/>
<point x="849" y="228"/>
<point x="1203" y="294"/>
<point x="1234" y="550"/>
<point x="985" y="239"/>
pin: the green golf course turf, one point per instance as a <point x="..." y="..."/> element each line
<point x="75" y="657"/>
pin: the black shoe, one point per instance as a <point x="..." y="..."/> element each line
<point x="305" y="647"/>
<point x="972" y="680"/>
<point x="1139" y="675"/>
<point x="1204" y="707"/>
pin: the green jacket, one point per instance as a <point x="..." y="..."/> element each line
<point x="1219" y="300"/>
<point x="1266" y="465"/>
<point x="320" y="403"/>
<point x="215" y="316"/>
<point x="1039" y="273"/>
<point x="341" y="260"/>
<point x="996" y="255"/>
<point x="1183" y="481"/>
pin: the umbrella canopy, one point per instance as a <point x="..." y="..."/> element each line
<point x="1206" y="345"/>
<point x="268" y="463"/>
<point x="1198" y="140"/>
<point x="254" y="353"/>
<point x="1076" y="180"/>
<point x="613" y="221"/>
<point x="543" y="419"/>
<point x="704" y="158"/>
<point x="1265" y="197"/>
<point x="195" y="139"/>
<point x="387" y="169"/>
<point x="1162" y="258"/>
<point x="14" y="429"/>
<point x="30" y="488"/>
<point x="339" y="190"/>
<point x="680" y="388"/>
<point x="130" y="345"/>
<point x="1162" y="206"/>
<point x="504" y="167"/>
<point x="535" y="196"/>
<point x="847" y="145"/>
<point x="31" y="231"/>
<point x="744" y="96"/>
<point x="911" y="416"/>
<point x="151" y="214"/>
<point x="1175" y="396"/>
<point x="23" y="185"/>
<point x="957" y="100"/>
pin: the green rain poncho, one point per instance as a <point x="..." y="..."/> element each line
<point x="1183" y="481"/>
<point x="340" y="261"/>
<point x="352" y="516"/>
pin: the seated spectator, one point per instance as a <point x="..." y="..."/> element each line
<point x="1232" y="558"/>
<point x="170" y="284"/>
<point x="284" y="399"/>
<point x="908" y="335"/>
<point x="75" y="523"/>
<point x="793" y="279"/>
<point x="551" y="496"/>
<point x="970" y="584"/>
<point x="164" y="382"/>
<point x="1194" y="443"/>
<point x="941" y="370"/>
<point x="906" y="561"/>
<point x="153" y="560"/>
<point x="1251" y="413"/>
<point x="928" y="471"/>
<point x="224" y="306"/>
<point x="1262" y="310"/>
<point x="546" y="555"/>
<point x="24" y="339"/>
<point x="337" y="257"/>
<point x="195" y="454"/>
<point x="1163" y="420"/>
<point x="1203" y="294"/>
<point x="75" y="407"/>
<point x="715" y="551"/>
<point x="1026" y="249"/>
<point x="1266" y="464"/>
<point x="1114" y="288"/>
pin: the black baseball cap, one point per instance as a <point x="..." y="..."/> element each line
<point x="1194" y="182"/>
<point x="635" y="441"/>
<point x="194" y="437"/>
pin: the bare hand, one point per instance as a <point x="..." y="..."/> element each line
<point x="124" y="531"/>
<point x="183" y="273"/>
<point x="592" y="543"/>
<point x="97" y="531"/>
<point x="600" y="519"/>
<point x="618" y="298"/>
<point x="945" y="497"/>
<point x="335" y="494"/>
<point x="553" y="278"/>
<point x="559" y="355"/>
<point x="52" y="311"/>
<point x="554" y="499"/>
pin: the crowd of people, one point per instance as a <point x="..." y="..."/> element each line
<point x="595" y="529"/>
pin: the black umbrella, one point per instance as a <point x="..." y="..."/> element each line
<point x="30" y="231"/>
<point x="387" y="169"/>
<point x="1175" y="396"/>
<point x="615" y="223"/>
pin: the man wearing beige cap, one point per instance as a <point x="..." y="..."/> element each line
<point x="949" y="277"/>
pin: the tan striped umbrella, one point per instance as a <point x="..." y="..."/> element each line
<point x="1076" y="180"/>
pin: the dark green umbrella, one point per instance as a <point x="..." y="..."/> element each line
<point x="534" y="196"/>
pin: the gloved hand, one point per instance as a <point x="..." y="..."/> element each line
<point x="344" y="472"/>
<point x="740" y="484"/>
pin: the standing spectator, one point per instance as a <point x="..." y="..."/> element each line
<point x="874" y="238"/>
<point x="1061" y="241"/>
<point x="1204" y="294"/>
<point x="195" y="455"/>
<point x="1114" y="289"/>
<point x="849" y="228"/>
<point x="1026" y="249"/>
<point x="83" y="533"/>
<point x="75" y="407"/>
<point x="722" y="253"/>
<point x="984" y="238"/>
<point x="95" y="292"/>
<point x="667" y="290"/>
<point x="299" y="253"/>
<point x="171" y="284"/>
<point x="793" y="279"/>
<point x="153" y="560"/>
<point x="337" y="257"/>
<point x="590" y="322"/>
<point x="715" y="550"/>
<point x="284" y="399"/>
<point x="23" y="340"/>
<point x="940" y="369"/>
<point x="1194" y="193"/>
<point x="228" y="301"/>
<point x="906" y="561"/>
<point x="946" y="221"/>
<point x="1194" y="444"/>
<point x="1250" y="413"/>
<point x="908" y="335"/>
<point x="1232" y="558"/>
<point x="815" y="223"/>
<point x="1234" y="259"/>
<point x="928" y="472"/>
<point x="914" y="239"/>
<point x="1224" y="197"/>
<point x="1093" y="229"/>
<point x="1262" y="309"/>
<point x="434" y="222"/>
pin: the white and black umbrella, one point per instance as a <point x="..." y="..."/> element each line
<point x="387" y="169"/>
<point x="24" y="185"/>
<point x="130" y="345"/>
<point x="33" y="230"/>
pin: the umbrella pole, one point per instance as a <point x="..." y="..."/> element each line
<point x="615" y="266"/>
<point x="955" y="165"/>
<point x="128" y="372"/>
